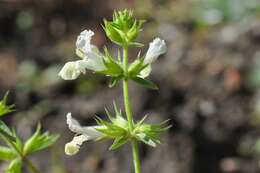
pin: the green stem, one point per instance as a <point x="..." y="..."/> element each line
<point x="128" y="111"/>
<point x="29" y="164"/>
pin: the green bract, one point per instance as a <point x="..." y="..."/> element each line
<point x="123" y="29"/>
<point x="117" y="128"/>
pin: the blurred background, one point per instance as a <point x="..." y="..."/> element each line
<point x="209" y="82"/>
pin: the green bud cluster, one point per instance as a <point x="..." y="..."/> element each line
<point x="123" y="29"/>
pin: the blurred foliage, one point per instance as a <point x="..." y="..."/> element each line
<point x="15" y="150"/>
<point x="211" y="12"/>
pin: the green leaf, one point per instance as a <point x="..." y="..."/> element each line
<point x="7" y="153"/>
<point x="15" y="166"/>
<point x="39" y="141"/>
<point x="118" y="142"/>
<point x="4" y="108"/>
<point x="145" y="83"/>
<point x="6" y="132"/>
<point x="18" y="142"/>
<point x="112" y="33"/>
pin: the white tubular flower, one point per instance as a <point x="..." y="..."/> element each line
<point x="92" y="59"/>
<point x="156" y="48"/>
<point x="85" y="133"/>
<point x="71" y="70"/>
<point x="89" y="52"/>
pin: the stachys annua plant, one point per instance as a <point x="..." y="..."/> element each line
<point x="123" y="31"/>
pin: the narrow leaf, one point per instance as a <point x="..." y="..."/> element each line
<point x="15" y="166"/>
<point x="7" y="153"/>
<point x="39" y="141"/>
<point x="145" y="83"/>
<point x="6" y="132"/>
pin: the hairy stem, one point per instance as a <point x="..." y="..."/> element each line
<point x="128" y="111"/>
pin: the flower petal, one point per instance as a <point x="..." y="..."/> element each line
<point x="95" y="62"/>
<point x="88" y="131"/>
<point x="156" y="48"/>
<point x="69" y="71"/>
<point x="83" y="41"/>
<point x="73" y="146"/>
<point x="89" y="52"/>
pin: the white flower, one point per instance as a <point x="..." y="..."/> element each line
<point x="71" y="70"/>
<point x="156" y="48"/>
<point x="84" y="134"/>
<point x="88" y="51"/>
<point x="92" y="59"/>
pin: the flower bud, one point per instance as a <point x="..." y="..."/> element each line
<point x="124" y="28"/>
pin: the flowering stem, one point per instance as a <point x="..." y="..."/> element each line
<point x="128" y="111"/>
